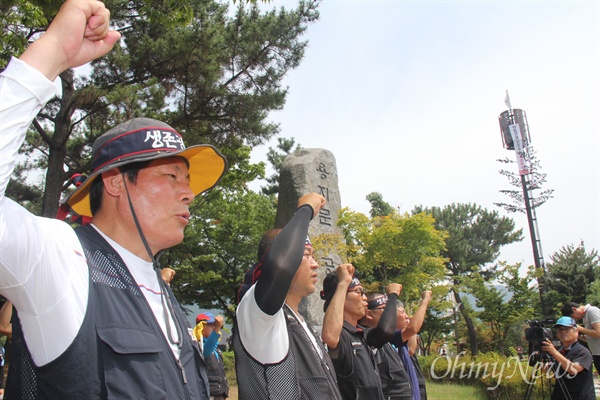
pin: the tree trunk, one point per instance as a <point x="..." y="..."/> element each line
<point x="57" y="147"/>
<point x="54" y="182"/>
<point x="504" y="340"/>
<point x="501" y="347"/>
<point x="469" y="322"/>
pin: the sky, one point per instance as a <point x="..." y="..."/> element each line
<point x="406" y="94"/>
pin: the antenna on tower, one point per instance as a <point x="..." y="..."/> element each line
<point x="514" y="130"/>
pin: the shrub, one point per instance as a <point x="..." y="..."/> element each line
<point x="502" y="377"/>
<point x="229" y="366"/>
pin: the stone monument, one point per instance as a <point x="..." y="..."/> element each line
<point x="302" y="172"/>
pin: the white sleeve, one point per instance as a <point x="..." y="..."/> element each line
<point x="265" y="337"/>
<point x="42" y="267"/>
<point x="23" y="92"/>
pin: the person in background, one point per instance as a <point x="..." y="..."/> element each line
<point x="95" y="317"/>
<point x="5" y="318"/>
<point x="572" y="364"/>
<point x="395" y="380"/>
<point x="349" y="344"/>
<point x="2" y="355"/>
<point x="211" y="336"/>
<point x="406" y="328"/>
<point x="413" y="345"/>
<point x="590" y="331"/>
<point x="6" y="332"/>
<point x="278" y="355"/>
<point x="167" y="275"/>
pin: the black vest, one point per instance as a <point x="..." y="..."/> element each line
<point x="303" y="374"/>
<point x="394" y="378"/>
<point x="120" y="350"/>
<point x="356" y="369"/>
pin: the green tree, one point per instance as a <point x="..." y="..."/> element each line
<point x="475" y="236"/>
<point x="379" y="207"/>
<point x="212" y="74"/>
<point x="395" y="248"/>
<point x="28" y="194"/>
<point x="570" y="275"/>
<point x="505" y="305"/>
<point x="276" y="156"/>
<point x="594" y="296"/>
<point x="217" y="251"/>
<point x="19" y="21"/>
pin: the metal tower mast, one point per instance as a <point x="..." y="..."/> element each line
<point x="515" y="136"/>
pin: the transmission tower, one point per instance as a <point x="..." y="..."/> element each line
<point x="515" y="137"/>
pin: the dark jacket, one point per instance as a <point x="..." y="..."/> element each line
<point x="580" y="386"/>
<point x="420" y="377"/>
<point x="120" y="350"/>
<point x="216" y="374"/>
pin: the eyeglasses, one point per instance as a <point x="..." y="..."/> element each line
<point x="360" y="291"/>
<point x="565" y="328"/>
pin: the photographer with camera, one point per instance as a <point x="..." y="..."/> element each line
<point x="573" y="364"/>
<point x="590" y="331"/>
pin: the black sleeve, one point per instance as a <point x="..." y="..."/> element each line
<point x="581" y="356"/>
<point x="282" y="261"/>
<point x="397" y="339"/>
<point x="342" y="356"/>
<point x="386" y="327"/>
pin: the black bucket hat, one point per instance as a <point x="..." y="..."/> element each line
<point x="143" y="139"/>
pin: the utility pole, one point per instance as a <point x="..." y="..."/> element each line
<point x="515" y="136"/>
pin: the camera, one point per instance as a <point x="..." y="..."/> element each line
<point x="536" y="334"/>
<point x="536" y="331"/>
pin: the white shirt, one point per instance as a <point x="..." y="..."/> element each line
<point x="43" y="270"/>
<point x="590" y="317"/>
<point x="145" y="276"/>
<point x="265" y="337"/>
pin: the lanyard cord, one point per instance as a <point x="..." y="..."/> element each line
<point x="168" y="309"/>
<point x="167" y="305"/>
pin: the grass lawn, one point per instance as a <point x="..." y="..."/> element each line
<point x="451" y="391"/>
